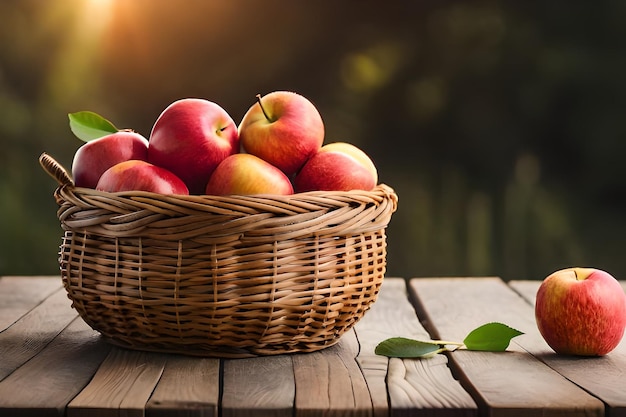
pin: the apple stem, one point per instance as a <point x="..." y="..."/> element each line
<point x="258" y="99"/>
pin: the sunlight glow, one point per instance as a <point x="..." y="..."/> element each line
<point x="97" y="14"/>
<point x="72" y="74"/>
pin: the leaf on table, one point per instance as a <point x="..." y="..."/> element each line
<point x="402" y="347"/>
<point x="87" y="125"/>
<point x="492" y="337"/>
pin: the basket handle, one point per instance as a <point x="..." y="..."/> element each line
<point x="55" y="170"/>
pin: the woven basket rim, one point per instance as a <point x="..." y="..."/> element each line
<point x="67" y="187"/>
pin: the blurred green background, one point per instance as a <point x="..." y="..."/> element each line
<point x="499" y="124"/>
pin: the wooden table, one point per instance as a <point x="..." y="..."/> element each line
<point x="52" y="363"/>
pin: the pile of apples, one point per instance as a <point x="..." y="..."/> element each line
<point x="196" y="148"/>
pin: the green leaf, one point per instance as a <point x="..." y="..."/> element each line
<point x="401" y="347"/>
<point x="87" y="125"/>
<point x="492" y="337"/>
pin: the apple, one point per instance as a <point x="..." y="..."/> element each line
<point x="337" y="166"/>
<point x="98" y="155"/>
<point x="245" y="174"/>
<point x="282" y="128"/>
<point x="136" y="175"/>
<point x="581" y="311"/>
<point x="190" y="138"/>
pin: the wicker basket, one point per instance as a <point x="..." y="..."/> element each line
<point x="215" y="276"/>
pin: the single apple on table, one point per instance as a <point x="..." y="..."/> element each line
<point x="283" y="128"/>
<point x="96" y="156"/>
<point x="337" y="166"/>
<point x="190" y="138"/>
<point x="245" y="174"/>
<point x="135" y="175"/>
<point x="581" y="311"/>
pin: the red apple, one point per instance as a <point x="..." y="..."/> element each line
<point x="282" y="128"/>
<point x="245" y="174"/>
<point x="337" y="166"/>
<point x="581" y="311"/>
<point x="190" y="138"/>
<point x="96" y="156"/>
<point x="135" y="175"/>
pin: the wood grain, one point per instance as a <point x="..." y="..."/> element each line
<point x="18" y="295"/>
<point x="504" y="383"/>
<point x="29" y="335"/>
<point x="53" y="364"/>
<point x="44" y="385"/>
<point x="262" y="386"/>
<point x="188" y="387"/>
<point x="428" y="385"/>
<point x="121" y="386"/>
<point x="330" y="382"/>
<point x="526" y="289"/>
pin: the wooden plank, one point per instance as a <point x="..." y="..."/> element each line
<point x="262" y="386"/>
<point x="506" y="383"/>
<point x="526" y="289"/>
<point x="19" y="295"/>
<point x="48" y="382"/>
<point x="414" y="385"/>
<point x="121" y="386"/>
<point x="330" y="383"/>
<point x="603" y="377"/>
<point x="188" y="387"/>
<point x="28" y="336"/>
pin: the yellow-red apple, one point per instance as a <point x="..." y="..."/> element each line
<point x="337" y="166"/>
<point x="98" y="155"/>
<point x="282" y="128"/>
<point x="135" y="175"/>
<point x="245" y="174"/>
<point x="581" y="311"/>
<point x="190" y="138"/>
